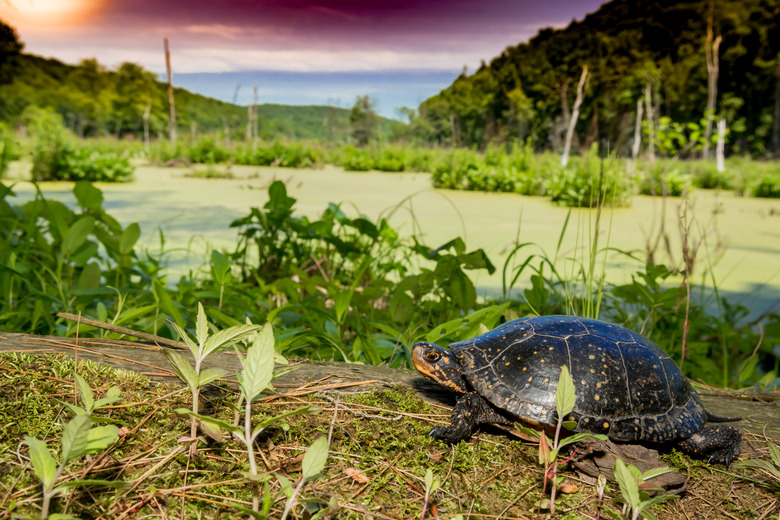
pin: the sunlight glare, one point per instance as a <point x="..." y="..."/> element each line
<point x="52" y="12"/>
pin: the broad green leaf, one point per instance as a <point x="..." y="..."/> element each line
<point x="88" y="196"/>
<point x="627" y="483"/>
<point x="577" y="437"/>
<point x="201" y="326"/>
<point x="221" y="267"/>
<point x="77" y="234"/>
<point x="758" y="464"/>
<point x="431" y="484"/>
<point x="87" y="397"/>
<point x="182" y="367"/>
<point x="258" y="365"/>
<point x="285" y="484"/>
<point x="341" y="303"/>
<point x="314" y="460"/>
<point x="774" y="451"/>
<point x="101" y="437"/>
<point x="44" y="465"/>
<point x="210" y="374"/>
<point x="75" y="437"/>
<point x="564" y="394"/>
<point x="186" y="338"/>
<point x="130" y="236"/>
<point x="90" y="278"/>
<point x="166" y="302"/>
<point x="656" y="472"/>
<point x="226" y="337"/>
<point x="528" y="431"/>
<point x="217" y="423"/>
<point x="569" y="425"/>
<point x="113" y="392"/>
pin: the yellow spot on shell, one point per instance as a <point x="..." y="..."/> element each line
<point x="606" y="424"/>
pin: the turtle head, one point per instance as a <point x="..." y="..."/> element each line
<point x="440" y="365"/>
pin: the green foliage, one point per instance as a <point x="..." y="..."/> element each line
<point x="517" y="95"/>
<point x="79" y="437"/>
<point x="768" y="467"/>
<point x="633" y="485"/>
<point x="364" y="120"/>
<point x="768" y="186"/>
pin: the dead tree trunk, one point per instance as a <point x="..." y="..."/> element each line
<point x="637" y="137"/>
<point x="575" y="114"/>
<point x="172" y="116"/>
<point x="147" y="113"/>
<point x="720" y="156"/>
<point x="254" y="119"/>
<point x="711" y="51"/>
<point x="650" y="122"/>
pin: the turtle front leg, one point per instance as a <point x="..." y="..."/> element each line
<point x="470" y="410"/>
<point x="718" y="444"/>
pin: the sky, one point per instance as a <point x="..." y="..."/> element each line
<point x="296" y="51"/>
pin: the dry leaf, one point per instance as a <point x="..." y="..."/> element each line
<point x="357" y="475"/>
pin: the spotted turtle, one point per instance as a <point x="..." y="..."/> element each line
<point x="626" y="387"/>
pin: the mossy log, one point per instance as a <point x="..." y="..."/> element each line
<point x="760" y="411"/>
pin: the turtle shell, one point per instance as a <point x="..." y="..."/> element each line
<point x="626" y="387"/>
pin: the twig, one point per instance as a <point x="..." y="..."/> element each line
<point x="122" y="330"/>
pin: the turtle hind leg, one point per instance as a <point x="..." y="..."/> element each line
<point x="719" y="444"/>
<point x="470" y="410"/>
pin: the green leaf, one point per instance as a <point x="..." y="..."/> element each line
<point x="44" y="465"/>
<point x="226" y="337"/>
<point x="101" y="437"/>
<point x="577" y="437"/>
<point x="758" y="464"/>
<point x="186" y="338"/>
<point x="182" y="367"/>
<point x="88" y="196"/>
<point x="113" y="392"/>
<point x="130" y="236"/>
<point x="314" y="460"/>
<point x="305" y="410"/>
<point x="75" y="437"/>
<point x="221" y="267"/>
<point x="627" y="483"/>
<point x="201" y="326"/>
<point x="569" y="425"/>
<point x="528" y="431"/>
<point x="216" y="423"/>
<point x="258" y="365"/>
<point x="656" y="472"/>
<point x="210" y="374"/>
<point x="90" y="277"/>
<point x="564" y="394"/>
<point x="87" y="397"/>
<point x="774" y="452"/>
<point x="77" y="234"/>
<point x="166" y="302"/>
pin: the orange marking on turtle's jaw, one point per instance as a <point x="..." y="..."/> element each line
<point x="433" y="363"/>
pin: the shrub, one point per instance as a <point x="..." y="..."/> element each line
<point x="80" y="163"/>
<point x="665" y="181"/>
<point x="768" y="186"/>
<point x="588" y="182"/>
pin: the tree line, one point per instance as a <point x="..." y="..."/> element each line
<point x="678" y="59"/>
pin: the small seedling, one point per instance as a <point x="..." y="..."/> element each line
<point x="89" y="404"/>
<point x="431" y="485"/>
<point x="195" y="376"/>
<point x="634" y="487"/>
<point x="565" y="398"/>
<point x="311" y="468"/>
<point x="79" y="438"/>
<point x="254" y="380"/>
<point x="772" y="468"/>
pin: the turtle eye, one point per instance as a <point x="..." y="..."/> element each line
<point x="432" y="356"/>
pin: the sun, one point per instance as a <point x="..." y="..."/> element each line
<point x="51" y="12"/>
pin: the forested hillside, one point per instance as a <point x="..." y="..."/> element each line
<point x="96" y="101"/>
<point x="634" y="50"/>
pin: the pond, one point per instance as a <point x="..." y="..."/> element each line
<point x="738" y="238"/>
